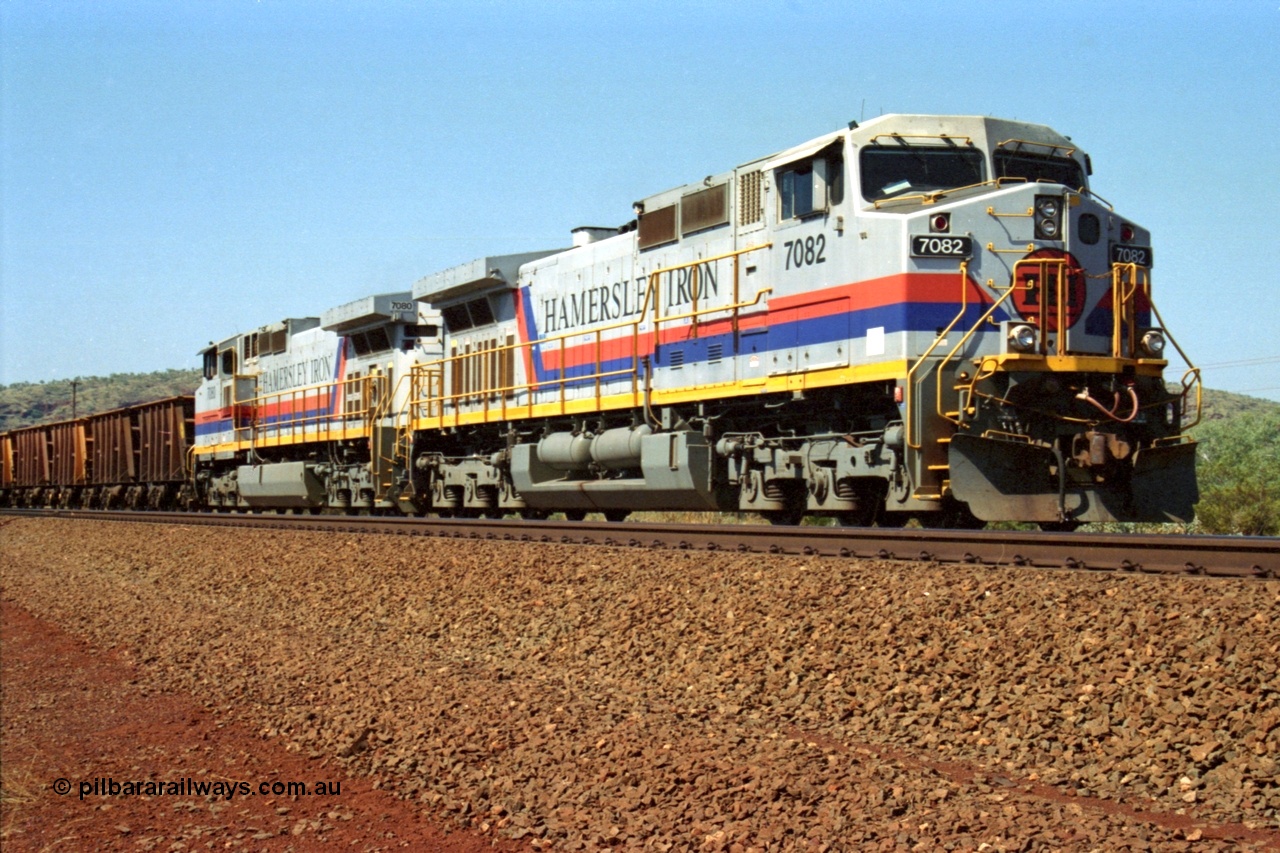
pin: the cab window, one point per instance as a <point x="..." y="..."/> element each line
<point x="1039" y="167"/>
<point x="812" y="185"/>
<point x="909" y="170"/>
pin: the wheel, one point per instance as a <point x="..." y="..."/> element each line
<point x="1058" y="526"/>
<point x="575" y="514"/>
<point x="857" y="518"/>
<point x="868" y="503"/>
<point x="533" y="514"/>
<point x="793" y="499"/>
<point x="616" y="515"/>
<point x="785" y="517"/>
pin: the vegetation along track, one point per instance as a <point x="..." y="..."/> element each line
<point x="1224" y="556"/>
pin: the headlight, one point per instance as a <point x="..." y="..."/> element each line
<point x="1022" y="338"/>
<point x="1153" y="343"/>
<point x="1048" y="215"/>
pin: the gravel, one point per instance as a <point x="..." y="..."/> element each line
<point x="588" y="697"/>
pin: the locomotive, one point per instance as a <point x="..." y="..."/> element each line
<point x="929" y="317"/>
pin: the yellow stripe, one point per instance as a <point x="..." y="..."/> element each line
<point x="305" y="437"/>
<point x="888" y="371"/>
<point x="810" y="380"/>
<point x="1022" y="362"/>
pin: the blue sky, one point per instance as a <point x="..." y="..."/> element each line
<point x="174" y="172"/>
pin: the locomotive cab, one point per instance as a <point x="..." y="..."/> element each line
<point x="1044" y="399"/>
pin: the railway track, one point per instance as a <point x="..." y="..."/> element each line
<point x="1219" y="556"/>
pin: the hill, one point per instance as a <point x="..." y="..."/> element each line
<point x="26" y="403"/>
<point x="1223" y="405"/>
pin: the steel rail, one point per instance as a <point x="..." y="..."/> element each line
<point x="1221" y="556"/>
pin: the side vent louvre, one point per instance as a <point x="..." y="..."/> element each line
<point x="714" y="353"/>
<point x="677" y="359"/>
<point x="750" y="206"/>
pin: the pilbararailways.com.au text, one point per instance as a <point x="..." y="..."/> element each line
<point x="188" y="787"/>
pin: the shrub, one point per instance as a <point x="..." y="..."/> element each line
<point x="1239" y="475"/>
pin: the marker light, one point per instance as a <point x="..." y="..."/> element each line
<point x="1048" y="214"/>
<point x="940" y="223"/>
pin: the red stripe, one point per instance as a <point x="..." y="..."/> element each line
<point x="310" y="401"/>
<point x="222" y="414"/>
<point x="908" y="287"/>
<point x="896" y="289"/>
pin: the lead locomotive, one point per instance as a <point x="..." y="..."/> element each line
<point x="921" y="316"/>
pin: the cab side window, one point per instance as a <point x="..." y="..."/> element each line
<point x="813" y="185"/>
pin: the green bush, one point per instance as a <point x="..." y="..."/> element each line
<point x="1239" y="474"/>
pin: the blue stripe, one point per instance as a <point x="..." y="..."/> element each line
<point x="852" y="325"/>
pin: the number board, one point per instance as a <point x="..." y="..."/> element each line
<point x="941" y="246"/>
<point x="1140" y="255"/>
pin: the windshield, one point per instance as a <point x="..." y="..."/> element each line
<point x="888" y="172"/>
<point x="1039" y="167"/>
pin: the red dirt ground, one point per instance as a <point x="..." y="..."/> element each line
<point x="69" y="712"/>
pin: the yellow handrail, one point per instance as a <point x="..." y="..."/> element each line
<point x="339" y="418"/>
<point x="1030" y="247"/>
<point x="1190" y="378"/>
<point x="1128" y="282"/>
<point x="442" y="403"/>
<point x="965" y="339"/>
<point x="900" y="136"/>
<point x="991" y="211"/>
<point x="1067" y="150"/>
<point x="910" y="393"/>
